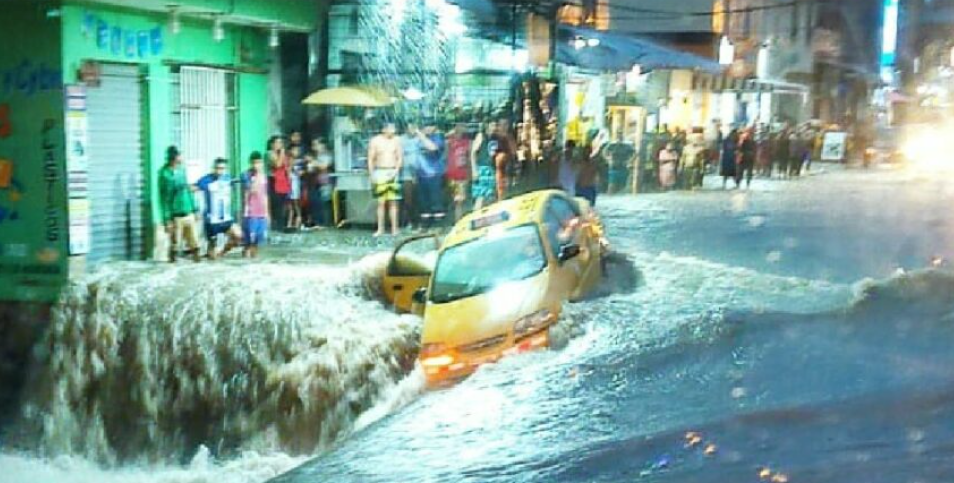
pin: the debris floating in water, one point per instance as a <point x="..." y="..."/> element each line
<point x="693" y="439"/>
<point x="710" y="449"/>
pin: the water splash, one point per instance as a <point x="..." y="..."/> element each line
<point x="144" y="363"/>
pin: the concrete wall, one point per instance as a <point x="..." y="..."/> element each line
<point x="33" y="222"/>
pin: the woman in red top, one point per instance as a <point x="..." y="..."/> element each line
<point x="278" y="179"/>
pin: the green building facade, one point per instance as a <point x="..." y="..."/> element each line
<point x="91" y="95"/>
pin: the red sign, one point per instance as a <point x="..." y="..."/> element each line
<point x="6" y="127"/>
<point x="89" y="73"/>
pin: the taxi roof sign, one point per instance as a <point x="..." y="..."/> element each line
<point x="490" y="220"/>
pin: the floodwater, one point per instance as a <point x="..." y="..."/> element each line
<point x="791" y="330"/>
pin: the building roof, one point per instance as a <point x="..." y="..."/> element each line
<point x="619" y="52"/>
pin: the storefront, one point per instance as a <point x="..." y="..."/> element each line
<point x="151" y="82"/>
<point x="114" y="86"/>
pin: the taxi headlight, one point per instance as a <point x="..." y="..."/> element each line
<point x="532" y="323"/>
<point x="434" y="356"/>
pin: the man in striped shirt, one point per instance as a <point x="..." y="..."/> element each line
<point x="216" y="188"/>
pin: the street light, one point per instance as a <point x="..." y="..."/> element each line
<point x="175" y="24"/>
<point x="273" y="40"/>
<point x="726" y="51"/>
<point x="218" y="29"/>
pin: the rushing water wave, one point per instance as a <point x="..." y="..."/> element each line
<point x="146" y="363"/>
<point x="237" y="373"/>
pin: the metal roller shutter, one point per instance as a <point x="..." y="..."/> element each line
<point x="116" y="165"/>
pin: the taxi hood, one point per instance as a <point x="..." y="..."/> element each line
<point x="485" y="315"/>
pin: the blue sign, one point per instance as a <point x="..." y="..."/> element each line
<point x="120" y="41"/>
<point x="102" y="35"/>
<point x="142" y="43"/>
<point x="129" y="43"/>
<point x="889" y="33"/>
<point x="116" y="40"/>
<point x="156" y="35"/>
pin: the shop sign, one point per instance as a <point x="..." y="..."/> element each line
<point x="121" y="41"/>
<point x="833" y="148"/>
<point x="77" y="162"/>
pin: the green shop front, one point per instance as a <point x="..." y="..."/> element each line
<point x="91" y="95"/>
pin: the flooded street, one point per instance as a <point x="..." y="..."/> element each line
<point x="792" y="328"/>
<point x="769" y="322"/>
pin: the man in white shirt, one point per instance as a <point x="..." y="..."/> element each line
<point x="216" y="188"/>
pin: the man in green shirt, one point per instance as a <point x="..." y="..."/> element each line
<point x="177" y="206"/>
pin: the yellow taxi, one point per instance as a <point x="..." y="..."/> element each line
<point x="497" y="282"/>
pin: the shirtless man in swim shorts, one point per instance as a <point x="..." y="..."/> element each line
<point x="385" y="157"/>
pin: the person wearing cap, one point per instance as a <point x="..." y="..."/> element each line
<point x="217" y="190"/>
<point x="177" y="206"/>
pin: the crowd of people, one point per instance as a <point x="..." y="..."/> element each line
<point x="736" y="154"/>
<point x="422" y="174"/>
<point x="292" y="192"/>
<point x="427" y="177"/>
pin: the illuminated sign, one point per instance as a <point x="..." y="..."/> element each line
<point x="889" y="32"/>
<point x="489" y="220"/>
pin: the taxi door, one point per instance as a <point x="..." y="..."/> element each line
<point x="564" y="240"/>
<point x="409" y="270"/>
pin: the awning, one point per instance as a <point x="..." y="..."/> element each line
<point x="354" y="96"/>
<point x="617" y="52"/>
<point x="480" y="8"/>
<point x="723" y="83"/>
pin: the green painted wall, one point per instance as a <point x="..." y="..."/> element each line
<point x="244" y="48"/>
<point x="33" y="222"/>
<point x="297" y="14"/>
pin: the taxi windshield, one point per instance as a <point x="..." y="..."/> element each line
<point x="480" y="265"/>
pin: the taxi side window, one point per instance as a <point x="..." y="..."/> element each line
<point x="558" y="216"/>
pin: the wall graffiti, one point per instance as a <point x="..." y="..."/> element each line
<point x="11" y="193"/>
<point x="28" y="78"/>
<point x="51" y="176"/>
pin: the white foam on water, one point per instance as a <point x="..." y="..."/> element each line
<point x="276" y="362"/>
<point x="266" y="364"/>
<point x="250" y="467"/>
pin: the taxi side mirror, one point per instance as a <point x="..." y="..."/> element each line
<point x="569" y="252"/>
<point x="419" y="296"/>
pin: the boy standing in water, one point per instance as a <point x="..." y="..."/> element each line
<point x="385" y="156"/>
<point x="255" y="183"/>
<point x="217" y="188"/>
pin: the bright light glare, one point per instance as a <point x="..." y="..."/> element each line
<point x="413" y="94"/>
<point x="930" y="149"/>
<point x="520" y="60"/>
<point x="439" y="361"/>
